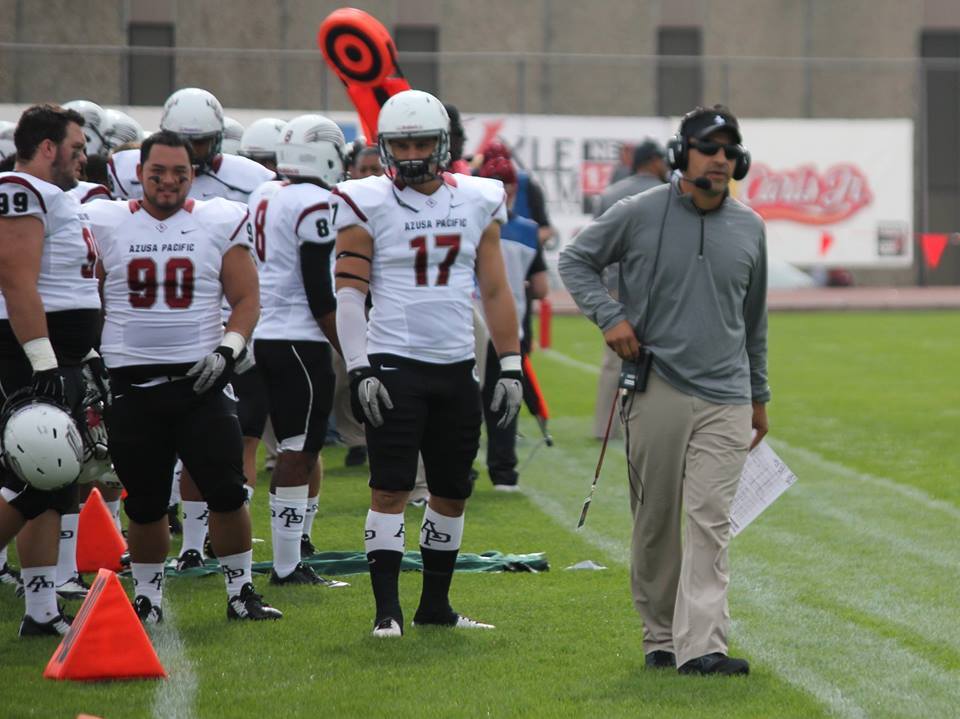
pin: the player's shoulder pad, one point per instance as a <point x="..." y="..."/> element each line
<point x="242" y="172"/>
<point x="364" y="196"/>
<point x="86" y="192"/>
<point x="23" y="195"/>
<point x="487" y="191"/>
<point x="122" y="173"/>
<point x="223" y="219"/>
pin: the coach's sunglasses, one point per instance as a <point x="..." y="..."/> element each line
<point x="707" y="147"/>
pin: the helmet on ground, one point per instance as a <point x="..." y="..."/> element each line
<point x="312" y="146"/>
<point x="41" y="442"/>
<point x="121" y="129"/>
<point x="197" y="115"/>
<point x="408" y="115"/>
<point x="95" y="124"/>
<point x="259" y="141"/>
<point x="232" y="135"/>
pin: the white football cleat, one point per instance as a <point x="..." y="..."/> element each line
<point x="73" y="588"/>
<point x="468" y="623"/>
<point x="388" y="627"/>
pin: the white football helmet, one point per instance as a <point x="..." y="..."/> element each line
<point x="413" y="114"/>
<point x="95" y="126"/>
<point x="41" y="443"/>
<point x="121" y="129"/>
<point x="260" y="140"/>
<point x="197" y="115"/>
<point x="7" y="146"/>
<point x="232" y="135"/>
<point x="312" y="146"/>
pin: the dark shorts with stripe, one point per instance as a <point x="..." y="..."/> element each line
<point x="436" y="412"/>
<point x="252" y="404"/>
<point x="299" y="381"/>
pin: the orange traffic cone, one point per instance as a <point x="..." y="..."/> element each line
<point x="99" y="544"/>
<point x="106" y="640"/>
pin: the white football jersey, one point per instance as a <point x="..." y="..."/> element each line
<point x="67" y="266"/>
<point x="256" y="222"/>
<point x="297" y="213"/>
<point x="86" y="192"/>
<point x="162" y="291"/>
<point x="232" y="177"/>
<point x="424" y="255"/>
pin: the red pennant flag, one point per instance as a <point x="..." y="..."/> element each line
<point x="933" y="245"/>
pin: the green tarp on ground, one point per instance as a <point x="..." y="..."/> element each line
<point x="342" y="563"/>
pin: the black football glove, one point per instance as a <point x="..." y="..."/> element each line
<point x="214" y="371"/>
<point x="366" y="394"/>
<point x="51" y="384"/>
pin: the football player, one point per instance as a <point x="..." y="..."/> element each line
<point x="167" y="263"/>
<point x="416" y="240"/>
<point x="198" y="116"/>
<point x="49" y="323"/>
<point x="232" y="136"/>
<point x="259" y="141"/>
<point x="296" y="331"/>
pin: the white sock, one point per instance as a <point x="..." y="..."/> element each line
<point x="148" y="581"/>
<point x="114" y="506"/>
<point x="194" y="526"/>
<point x="288" y="509"/>
<point x="175" y="485"/>
<point x="313" y="504"/>
<point x="383" y="532"/>
<point x="40" y="593"/>
<point x="67" y="553"/>
<point x="249" y="491"/>
<point x="237" y="571"/>
<point x="441" y="533"/>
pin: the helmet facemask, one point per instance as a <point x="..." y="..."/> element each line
<point x="420" y="170"/>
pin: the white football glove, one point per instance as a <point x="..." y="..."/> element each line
<point x="367" y="393"/>
<point x="213" y="371"/>
<point x="508" y="392"/>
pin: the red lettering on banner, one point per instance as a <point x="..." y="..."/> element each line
<point x="806" y="196"/>
<point x="595" y="176"/>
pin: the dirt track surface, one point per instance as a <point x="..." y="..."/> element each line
<point x="833" y="299"/>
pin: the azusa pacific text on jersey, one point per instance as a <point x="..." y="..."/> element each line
<point x="415" y="225"/>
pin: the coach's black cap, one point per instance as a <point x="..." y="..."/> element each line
<point x="703" y="121"/>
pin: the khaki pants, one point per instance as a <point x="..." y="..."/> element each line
<point x="608" y="385"/>
<point x="689" y="454"/>
<point x="350" y="431"/>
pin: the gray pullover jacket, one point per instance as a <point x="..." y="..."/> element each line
<point x="701" y="307"/>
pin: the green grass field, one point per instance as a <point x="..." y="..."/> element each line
<point x="845" y="595"/>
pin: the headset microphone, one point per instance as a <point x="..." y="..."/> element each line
<point x="701" y="183"/>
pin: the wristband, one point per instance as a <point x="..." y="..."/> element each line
<point x="510" y="363"/>
<point x="40" y="353"/>
<point x="235" y="341"/>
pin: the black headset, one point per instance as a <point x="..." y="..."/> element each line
<point x="678" y="150"/>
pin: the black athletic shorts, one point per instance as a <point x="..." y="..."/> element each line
<point x="150" y="427"/>
<point x="299" y="381"/>
<point x="72" y="333"/>
<point x="436" y="412"/>
<point x="252" y="405"/>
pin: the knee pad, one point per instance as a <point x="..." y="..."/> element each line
<point x="147" y="508"/>
<point x="226" y="496"/>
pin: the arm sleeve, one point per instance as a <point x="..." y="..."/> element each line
<point x="755" y="323"/>
<point x="317" y="279"/>
<point x="352" y="327"/>
<point x="538" y="206"/>
<point x="603" y="242"/>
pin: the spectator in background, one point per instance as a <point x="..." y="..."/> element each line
<point x="529" y="201"/>
<point x="526" y="270"/>
<point x="649" y="170"/>
<point x="366" y="162"/>
<point x="457" y="138"/>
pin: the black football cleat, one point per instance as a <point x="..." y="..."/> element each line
<point x="250" y="606"/>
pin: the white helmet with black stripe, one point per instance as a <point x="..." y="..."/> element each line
<point x="311" y="146"/>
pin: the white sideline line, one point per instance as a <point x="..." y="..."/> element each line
<point x="175" y="695"/>
<point x="907" y="491"/>
<point x="570" y="361"/>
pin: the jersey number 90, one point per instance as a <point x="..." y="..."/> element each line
<point x="177" y="282"/>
